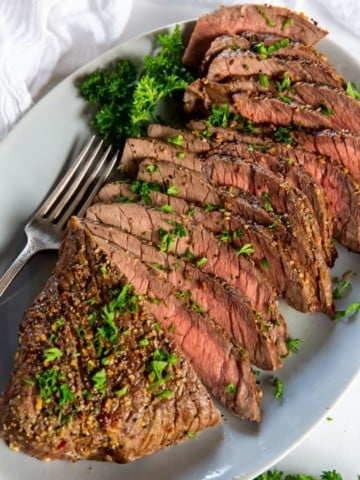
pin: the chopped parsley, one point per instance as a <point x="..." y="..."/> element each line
<point x="278" y="387"/>
<point x="247" y="249"/>
<point x="177" y="140"/>
<point x="53" y="353"/>
<point x="219" y="117"/>
<point x="99" y="380"/>
<point x="278" y="475"/>
<point x="230" y="388"/>
<point x="283" y="134"/>
<point x="341" y="288"/>
<point x="144" y="189"/>
<point x="293" y="344"/>
<point x="353" y="90"/>
<point x="351" y="310"/>
<point x="325" y="110"/>
<point x="172" y="190"/>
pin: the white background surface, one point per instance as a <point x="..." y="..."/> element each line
<point x="335" y="442"/>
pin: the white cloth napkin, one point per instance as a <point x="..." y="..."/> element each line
<point x="41" y="40"/>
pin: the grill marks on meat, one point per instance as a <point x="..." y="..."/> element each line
<point x="119" y="419"/>
<point x="249" y="18"/>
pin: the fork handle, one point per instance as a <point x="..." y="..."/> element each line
<point x="31" y="247"/>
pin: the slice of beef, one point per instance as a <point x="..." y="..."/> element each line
<point x="340" y="188"/>
<point x="341" y="146"/>
<point x="295" y="176"/>
<point x="271" y="253"/>
<point x="137" y="148"/>
<point x="198" y="243"/>
<point x="194" y="187"/>
<point x="80" y="388"/>
<point x="255" y="42"/>
<point x="189" y="142"/>
<point x="249" y="18"/>
<point x="230" y="64"/>
<point x="343" y="109"/>
<point x="204" y="292"/>
<point x="220" y="365"/>
<point x="264" y="108"/>
<point x="284" y="200"/>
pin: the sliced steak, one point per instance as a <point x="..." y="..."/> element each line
<point x="230" y="64"/>
<point x="285" y="200"/>
<point x="198" y="243"/>
<point x="341" y="146"/>
<point x="316" y="106"/>
<point x="249" y="18"/>
<point x="279" y="46"/>
<point x="295" y="176"/>
<point x="204" y="293"/>
<point x="271" y="253"/>
<point x="343" y="109"/>
<point x="340" y="187"/>
<point x="80" y="389"/>
<point x="264" y="108"/>
<point x="220" y="365"/>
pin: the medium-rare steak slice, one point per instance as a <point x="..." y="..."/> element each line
<point x="187" y="239"/>
<point x="95" y="376"/>
<point x="204" y="292"/>
<point x="274" y="46"/>
<point x="318" y="107"/>
<point x="341" y="146"/>
<point x="271" y="254"/>
<point x="285" y="201"/>
<point x="249" y="18"/>
<point x="295" y="176"/>
<point x="230" y="64"/>
<point x="282" y="110"/>
<point x="222" y="366"/>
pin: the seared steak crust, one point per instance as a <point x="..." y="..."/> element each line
<point x="249" y="18"/>
<point x="230" y="64"/>
<point x="64" y="401"/>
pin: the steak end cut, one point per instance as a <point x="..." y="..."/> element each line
<point x="95" y="376"/>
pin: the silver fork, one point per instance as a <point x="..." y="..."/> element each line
<point x="72" y="195"/>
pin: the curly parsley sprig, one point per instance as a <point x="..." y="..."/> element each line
<point x="127" y="99"/>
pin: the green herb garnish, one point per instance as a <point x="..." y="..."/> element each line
<point x="99" y="380"/>
<point x="353" y="90"/>
<point x="247" y="249"/>
<point x="278" y="387"/>
<point x="53" y="353"/>
<point x="351" y="310"/>
<point x="127" y="99"/>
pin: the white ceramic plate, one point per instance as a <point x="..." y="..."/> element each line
<point x="31" y="158"/>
